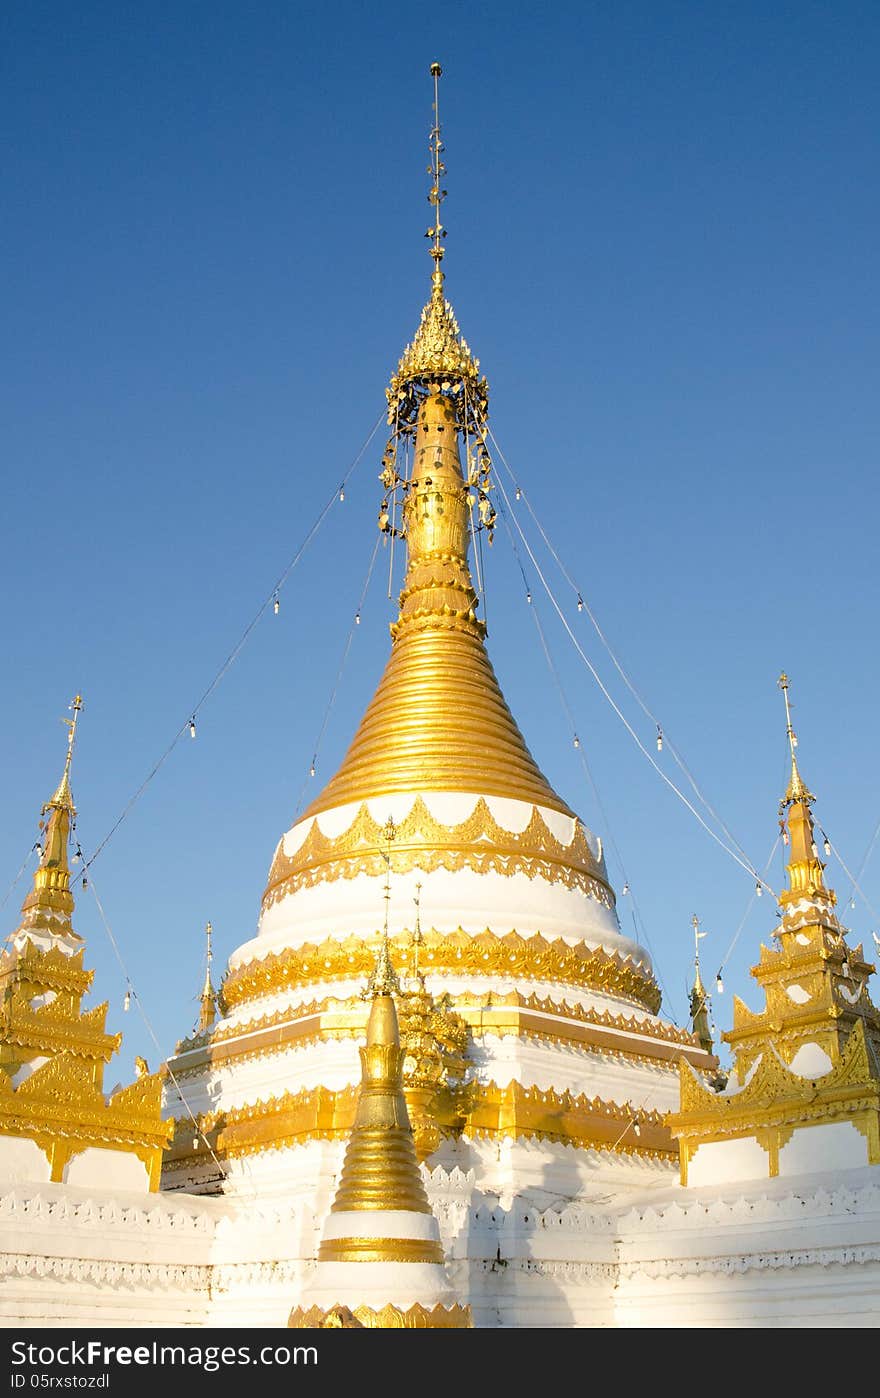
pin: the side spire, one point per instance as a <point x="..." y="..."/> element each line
<point x="797" y="790"/>
<point x="436" y="195"/>
<point x="699" y="1000"/>
<point x="383" y="980"/>
<point x="805" y="870"/>
<point x="380" y="1261"/>
<point x="49" y="905"/>
<point x="208" y="997"/>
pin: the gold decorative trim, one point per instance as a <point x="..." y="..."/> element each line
<point x="62" y="1109"/>
<point x="513" y="1111"/>
<point x="387" y="1318"/>
<point x="380" y="1250"/>
<point x="511" y="1014"/>
<point x="421" y="842"/>
<point x="50" y="970"/>
<point x="775" y="1101"/>
<point x="57" y="1028"/>
<point x="481" y="954"/>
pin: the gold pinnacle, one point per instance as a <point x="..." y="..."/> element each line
<point x="797" y="790"/>
<point x="436" y="195"/>
<point x="383" y="980"/>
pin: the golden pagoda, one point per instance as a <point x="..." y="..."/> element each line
<point x="531" y="1020"/>
<point x="807" y="1068"/>
<point x="52" y="1051"/>
<point x="380" y="1262"/>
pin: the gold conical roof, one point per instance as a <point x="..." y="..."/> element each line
<point x="380" y="1170"/>
<point x="49" y="905"/>
<point x="438" y="720"/>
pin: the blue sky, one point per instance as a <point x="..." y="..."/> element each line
<point x="663" y="222"/>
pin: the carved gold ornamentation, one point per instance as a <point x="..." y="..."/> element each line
<point x="482" y="953"/>
<point x="62" y="1109"/>
<point x="386" y="1318"/>
<point x="816" y="997"/>
<point x="55" y="1049"/>
<point x="775" y="1101"/>
<point x="482" y="1109"/>
<point x="437" y="351"/>
<point x="434" y="1039"/>
<point x="44" y="970"/>
<point x="422" y="842"/>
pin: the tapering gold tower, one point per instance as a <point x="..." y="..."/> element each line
<point x="53" y="1052"/>
<point x="811" y="1058"/>
<point x="49" y="905"/>
<point x="522" y="964"/>
<point x="380" y="1262"/>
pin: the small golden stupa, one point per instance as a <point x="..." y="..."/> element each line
<point x="805" y="1086"/>
<point x="52" y="1052"/>
<point x="380" y="1262"/>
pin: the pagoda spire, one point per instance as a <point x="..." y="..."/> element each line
<point x="805" y="870"/>
<point x="208" y="997"/>
<point x="380" y="1261"/>
<point x="797" y="790"/>
<point x="699" y="1000"/>
<point x="49" y="905"/>
<point x="438" y="720"/>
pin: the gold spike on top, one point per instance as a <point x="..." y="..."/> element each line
<point x="797" y="790"/>
<point x="699" y="1000"/>
<point x="49" y="905"/>
<point x="383" y="980"/>
<point x="208" y="997"/>
<point x="805" y="869"/>
<point x="438" y="355"/>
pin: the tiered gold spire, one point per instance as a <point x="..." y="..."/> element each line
<point x="208" y="997"/>
<point x="805" y="870"/>
<point x="816" y="1005"/>
<point x="438" y="720"/>
<point x="380" y="1214"/>
<point x="49" y="905"/>
<point x="52" y="1051"/>
<point x="380" y="1170"/>
<point x="699" y="1000"/>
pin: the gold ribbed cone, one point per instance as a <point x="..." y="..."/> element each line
<point x="438" y="720"/>
<point x="380" y="1171"/>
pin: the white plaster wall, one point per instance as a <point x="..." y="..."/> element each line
<point x="755" y="1254"/>
<point x="467" y="899"/>
<point x="836" y="1145"/>
<point x="94" y="1168"/>
<point x="22" y="1159"/>
<point x="726" y="1161"/>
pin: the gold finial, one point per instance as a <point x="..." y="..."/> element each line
<point x="49" y="905"/>
<point x="383" y="980"/>
<point x="698" y="936"/>
<point x="797" y="791"/>
<point x="436" y="195"/>
<point x="417" y="937"/>
<point x="699" y="1000"/>
<point x="208" y="997"/>
<point x="63" y="796"/>
<point x="438" y="356"/>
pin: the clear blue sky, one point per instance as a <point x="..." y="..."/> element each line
<point x="663" y="233"/>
